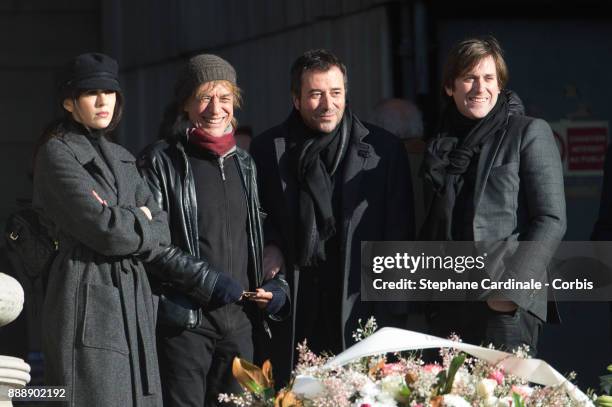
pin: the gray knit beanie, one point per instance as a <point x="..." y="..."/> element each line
<point x="201" y="69"/>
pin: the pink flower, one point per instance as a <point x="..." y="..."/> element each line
<point x="498" y="376"/>
<point x="366" y="405"/>
<point x="432" y="368"/>
<point x="390" y="368"/>
<point x="523" y="391"/>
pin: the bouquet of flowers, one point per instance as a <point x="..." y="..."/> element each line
<point x="396" y="380"/>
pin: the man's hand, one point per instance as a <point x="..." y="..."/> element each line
<point x="501" y="305"/>
<point x="263" y="298"/>
<point x="147" y="212"/>
<point x="273" y="261"/>
<point x="102" y="201"/>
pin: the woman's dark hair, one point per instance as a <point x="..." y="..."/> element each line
<point x="58" y="126"/>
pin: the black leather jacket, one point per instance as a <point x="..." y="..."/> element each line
<point x="184" y="279"/>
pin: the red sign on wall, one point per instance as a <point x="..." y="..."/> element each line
<point x="583" y="145"/>
<point x="586" y="148"/>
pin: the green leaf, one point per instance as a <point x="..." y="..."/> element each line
<point x="437" y="388"/>
<point x="254" y="387"/>
<point x="603" y="401"/>
<point x="516" y="400"/>
<point x="269" y="393"/>
<point x="455" y="364"/>
<point x="405" y="391"/>
<point x="403" y="395"/>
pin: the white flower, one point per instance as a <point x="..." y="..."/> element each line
<point x="491" y="402"/>
<point x="379" y="394"/>
<point x="369" y="390"/>
<point x="392" y="385"/>
<point x="462" y="378"/>
<point x="486" y="387"/>
<point x="385" y="400"/>
<point x="382" y="400"/>
<point x="452" y="400"/>
<point x="495" y="402"/>
<point x="364" y="400"/>
<point x="505" y="402"/>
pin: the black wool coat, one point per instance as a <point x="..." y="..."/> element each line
<point x="377" y="204"/>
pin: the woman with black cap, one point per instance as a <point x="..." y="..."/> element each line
<point x="99" y="314"/>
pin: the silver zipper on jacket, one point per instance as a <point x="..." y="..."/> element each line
<point x="189" y="206"/>
<point x="221" y="159"/>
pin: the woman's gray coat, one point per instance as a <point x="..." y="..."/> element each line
<point x="99" y="314"/>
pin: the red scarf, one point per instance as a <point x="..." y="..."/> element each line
<point x="216" y="145"/>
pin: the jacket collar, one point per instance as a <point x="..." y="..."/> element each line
<point x="80" y="146"/>
<point x="109" y="165"/>
<point x="85" y="152"/>
<point x="491" y="147"/>
<point x="357" y="146"/>
<point x="355" y="159"/>
<point x="358" y="152"/>
<point x="189" y="201"/>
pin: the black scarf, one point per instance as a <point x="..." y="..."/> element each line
<point x="318" y="157"/>
<point x="448" y="157"/>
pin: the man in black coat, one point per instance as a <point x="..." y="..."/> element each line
<point x="328" y="182"/>
<point x="496" y="175"/>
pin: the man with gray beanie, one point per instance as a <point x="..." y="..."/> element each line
<point x="207" y="185"/>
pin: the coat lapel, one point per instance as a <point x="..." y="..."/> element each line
<point x="86" y="155"/>
<point x="118" y="158"/>
<point x="485" y="162"/>
<point x="286" y="172"/>
<point x="288" y="184"/>
<point x="356" y="159"/>
<point x="280" y="148"/>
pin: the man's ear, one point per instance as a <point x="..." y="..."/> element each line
<point x="449" y="91"/>
<point x="296" y="102"/>
<point x="68" y="104"/>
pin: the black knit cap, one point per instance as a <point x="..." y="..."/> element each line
<point x="89" y="71"/>
<point x="201" y="69"/>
